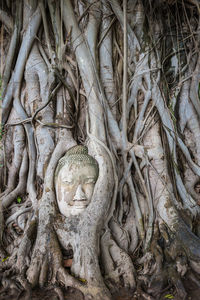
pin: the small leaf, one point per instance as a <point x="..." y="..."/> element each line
<point x="19" y="199"/>
<point x="169" y="296"/>
<point x="83" y="280"/>
<point x="5" y="258"/>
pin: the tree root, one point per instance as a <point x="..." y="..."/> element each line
<point x="131" y="134"/>
<point x="17" y="214"/>
<point x="117" y="265"/>
<point x="21" y="187"/>
<point x="47" y="266"/>
<point x="59" y="292"/>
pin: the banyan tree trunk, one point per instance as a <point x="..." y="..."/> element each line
<point x="122" y="78"/>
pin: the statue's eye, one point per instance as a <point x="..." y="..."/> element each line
<point x="68" y="182"/>
<point x="90" y="180"/>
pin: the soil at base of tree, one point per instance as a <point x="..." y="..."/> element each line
<point x="73" y="294"/>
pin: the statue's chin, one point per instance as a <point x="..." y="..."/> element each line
<point x="75" y="210"/>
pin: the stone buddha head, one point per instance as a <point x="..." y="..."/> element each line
<point x="75" y="178"/>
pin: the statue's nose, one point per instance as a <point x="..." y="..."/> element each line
<point x="80" y="195"/>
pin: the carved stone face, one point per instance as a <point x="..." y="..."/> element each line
<point x="74" y="187"/>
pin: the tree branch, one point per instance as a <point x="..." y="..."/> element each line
<point x="6" y="20"/>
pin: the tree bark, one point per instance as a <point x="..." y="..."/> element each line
<point x="122" y="78"/>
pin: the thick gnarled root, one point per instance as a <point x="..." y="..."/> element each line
<point x="117" y="264"/>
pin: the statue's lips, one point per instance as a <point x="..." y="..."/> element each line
<point x="80" y="203"/>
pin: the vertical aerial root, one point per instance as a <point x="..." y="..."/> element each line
<point x="120" y="264"/>
<point x="137" y="209"/>
<point x="18" y="147"/>
<point x="131" y="228"/>
<point x="176" y="280"/>
<point x="59" y="292"/>
<point x="26" y="293"/>
<point x="25" y="246"/>
<point x="28" y="38"/>
<point x="190" y="181"/>
<point x="21" y="187"/>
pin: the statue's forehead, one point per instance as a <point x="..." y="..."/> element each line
<point x="78" y="169"/>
